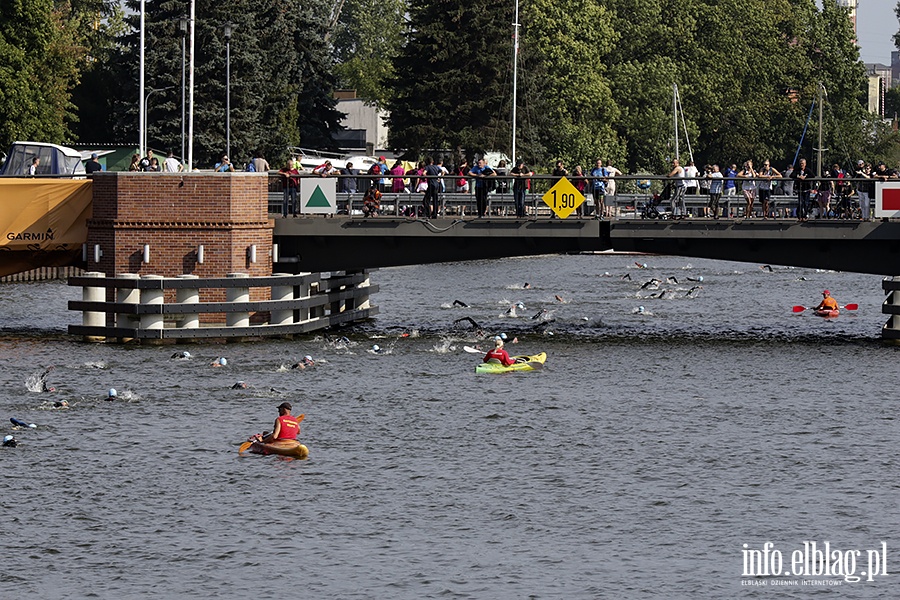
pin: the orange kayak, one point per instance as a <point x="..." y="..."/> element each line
<point x="828" y="314"/>
<point x="291" y="448"/>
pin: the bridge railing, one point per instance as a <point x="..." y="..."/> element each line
<point x="632" y="193"/>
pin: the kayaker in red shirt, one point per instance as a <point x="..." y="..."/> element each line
<point x="828" y="303"/>
<point x="498" y="354"/>
<point x="286" y="426"/>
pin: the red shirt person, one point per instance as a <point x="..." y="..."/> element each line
<point x="287" y="426"/>
<point x="498" y="354"/>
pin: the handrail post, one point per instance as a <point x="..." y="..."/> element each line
<point x="93" y="318"/>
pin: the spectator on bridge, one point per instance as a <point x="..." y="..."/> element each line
<point x="462" y="171"/>
<point x="397" y="183"/>
<point x="325" y="169"/>
<point x="748" y="186"/>
<point x="690" y="176"/>
<point x="135" y="163"/>
<point x="223" y="166"/>
<point x="802" y="183"/>
<point x="580" y="183"/>
<point x="865" y="189"/>
<point x="559" y="171"/>
<point x="259" y="162"/>
<point x="729" y="187"/>
<point x="348" y="184"/>
<point x="289" y="183"/>
<point x="598" y="188"/>
<point x="432" y="198"/>
<point x="677" y="194"/>
<point x="609" y="200"/>
<point x="372" y="202"/>
<point x="145" y="162"/>
<point x="715" y="179"/>
<point x="385" y="181"/>
<point x="481" y="172"/>
<point x="767" y="173"/>
<point x="823" y="197"/>
<point x="521" y="183"/>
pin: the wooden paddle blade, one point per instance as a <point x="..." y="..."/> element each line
<point x="244" y="447"/>
<point x="301" y="417"/>
<point x="799" y="308"/>
<point x="852" y="306"/>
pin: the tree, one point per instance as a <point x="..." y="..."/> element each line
<point x="39" y="60"/>
<point x="451" y="88"/>
<point x="367" y="39"/>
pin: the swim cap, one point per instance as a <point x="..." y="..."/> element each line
<point x="503" y="336"/>
<point x="112" y="393"/>
<point x="640" y="309"/>
<point x="285" y="406"/>
<point x="307" y="358"/>
<point x="700" y="278"/>
<point x="7" y="438"/>
<point x="223" y="361"/>
<point x="825" y="293"/>
<point x="186" y="354"/>
<point x="376" y="347"/>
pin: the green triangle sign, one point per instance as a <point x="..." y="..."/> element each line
<point x="318" y="200"/>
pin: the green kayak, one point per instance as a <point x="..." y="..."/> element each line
<point x="523" y="363"/>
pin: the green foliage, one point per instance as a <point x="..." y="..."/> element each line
<point x="367" y="40"/>
<point x="39" y="59"/>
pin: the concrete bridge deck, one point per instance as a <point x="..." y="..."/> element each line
<point x="319" y="243"/>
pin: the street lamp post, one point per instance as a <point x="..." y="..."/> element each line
<point x="182" y="24"/>
<point x="229" y="28"/>
<point x="147" y="111"/>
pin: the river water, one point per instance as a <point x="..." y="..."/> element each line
<point x="636" y="464"/>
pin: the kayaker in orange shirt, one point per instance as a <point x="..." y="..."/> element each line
<point x="287" y="426"/>
<point x="498" y="354"/>
<point x="828" y="303"/>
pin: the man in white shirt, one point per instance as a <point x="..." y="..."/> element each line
<point x="172" y="164"/>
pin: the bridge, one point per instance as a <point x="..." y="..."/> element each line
<point x="340" y="243"/>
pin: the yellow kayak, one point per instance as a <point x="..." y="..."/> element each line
<point x="523" y="363"/>
<point x="291" y="448"/>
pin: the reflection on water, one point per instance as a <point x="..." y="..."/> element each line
<point x="635" y="464"/>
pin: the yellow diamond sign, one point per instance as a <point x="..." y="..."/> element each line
<point x="563" y="198"/>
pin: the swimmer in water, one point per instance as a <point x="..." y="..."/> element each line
<point x="240" y="385"/>
<point x="10" y="442"/>
<point x="43" y="380"/>
<point x="627" y="276"/>
<point x="469" y="320"/>
<point x="219" y="362"/>
<point x="559" y="298"/>
<point x="112" y="394"/>
<point x="526" y="286"/>
<point x="181" y="355"/>
<point x="376" y="349"/>
<point x="306" y="361"/>
<point x="460" y="303"/>
<point x="61" y="404"/>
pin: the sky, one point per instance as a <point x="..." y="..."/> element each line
<point x="876" y="23"/>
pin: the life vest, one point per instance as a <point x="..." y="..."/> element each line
<point x="499" y="355"/>
<point x="290" y="427"/>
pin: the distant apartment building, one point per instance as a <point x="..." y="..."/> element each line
<point x="880" y="79"/>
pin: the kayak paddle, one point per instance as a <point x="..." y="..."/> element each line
<point x="799" y="308"/>
<point x="244" y="447"/>
<point x="472" y="350"/>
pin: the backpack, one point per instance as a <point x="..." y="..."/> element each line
<point x="490" y="183"/>
<point x="250" y="167"/>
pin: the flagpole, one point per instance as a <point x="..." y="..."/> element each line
<point x="515" y="79"/>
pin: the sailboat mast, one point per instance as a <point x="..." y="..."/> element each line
<point x="675" y="117"/>
<point x="515" y="78"/>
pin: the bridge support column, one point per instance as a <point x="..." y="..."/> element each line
<point x="282" y="292"/>
<point x="93" y="294"/>
<point x="891" y="306"/>
<point x="241" y="295"/>
<point x="128" y="296"/>
<point x="155" y="297"/>
<point x="188" y="296"/>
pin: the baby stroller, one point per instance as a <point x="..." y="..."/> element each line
<point x="650" y="208"/>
